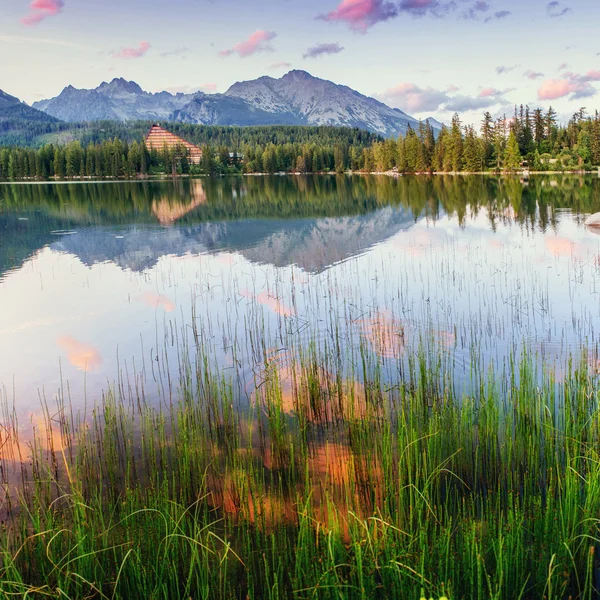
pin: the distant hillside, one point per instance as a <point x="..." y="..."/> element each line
<point x="35" y="134"/>
<point x="297" y="98"/>
<point x="19" y="121"/>
<point x="12" y="109"/>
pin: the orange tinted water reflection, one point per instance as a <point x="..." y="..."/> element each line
<point x="80" y="354"/>
<point x="385" y="333"/>
<point x="168" y="211"/>
<point x="271" y="302"/>
<point x="157" y="300"/>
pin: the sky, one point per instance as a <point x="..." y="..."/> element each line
<point x="426" y="57"/>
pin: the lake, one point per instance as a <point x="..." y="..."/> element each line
<point x="304" y="387"/>
<point x="102" y="283"/>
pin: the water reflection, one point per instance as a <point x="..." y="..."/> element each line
<point x="157" y="300"/>
<point x="469" y="265"/>
<point x="29" y="213"/>
<point x="270" y="301"/>
<point x="385" y="333"/>
<point x="167" y="211"/>
<point x="80" y="354"/>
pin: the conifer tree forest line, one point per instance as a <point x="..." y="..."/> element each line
<point x="530" y="140"/>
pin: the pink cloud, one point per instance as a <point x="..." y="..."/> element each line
<point x="553" y="89"/>
<point x="578" y="86"/>
<point x="257" y="42"/>
<point x="127" y="53"/>
<point x="412" y="98"/>
<point x="40" y="9"/>
<point x="362" y="14"/>
<point x="488" y="92"/>
<point x="591" y="76"/>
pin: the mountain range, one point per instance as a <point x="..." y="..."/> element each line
<point x="297" y="98"/>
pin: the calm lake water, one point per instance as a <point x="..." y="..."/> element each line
<point x="109" y="285"/>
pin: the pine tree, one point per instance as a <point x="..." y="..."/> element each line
<point x="401" y="155"/>
<point x="472" y="160"/>
<point x="539" y="133"/>
<point x="440" y="150"/>
<point x="512" y="155"/>
<point x="412" y="150"/>
<point x="208" y="161"/>
<point x="595" y="140"/>
<point x="339" y="159"/>
<point x="487" y="134"/>
<point x="499" y="141"/>
<point x="550" y="123"/>
<point x="456" y="144"/>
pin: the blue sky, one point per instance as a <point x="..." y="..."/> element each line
<point x="427" y="57"/>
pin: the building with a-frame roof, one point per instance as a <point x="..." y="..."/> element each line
<point x="158" y="139"/>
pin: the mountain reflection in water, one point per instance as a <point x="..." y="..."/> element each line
<point x="392" y="264"/>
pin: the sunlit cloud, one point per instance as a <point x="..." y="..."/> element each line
<point x="321" y="49"/>
<point x="81" y="355"/>
<point x="128" y="52"/>
<point x="572" y="84"/>
<point x="41" y="9"/>
<point x="413" y="98"/>
<point x="257" y="42"/>
<point x="487" y="92"/>
<point x="359" y="15"/>
<point x="552" y="89"/>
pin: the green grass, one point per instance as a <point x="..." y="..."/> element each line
<point x="328" y="483"/>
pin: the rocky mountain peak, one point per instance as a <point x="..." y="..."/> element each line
<point x="298" y="74"/>
<point x="120" y="85"/>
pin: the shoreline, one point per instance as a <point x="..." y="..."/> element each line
<point x="395" y="174"/>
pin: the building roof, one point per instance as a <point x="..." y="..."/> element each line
<point x="159" y="138"/>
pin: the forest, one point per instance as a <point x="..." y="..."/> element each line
<point x="530" y="139"/>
